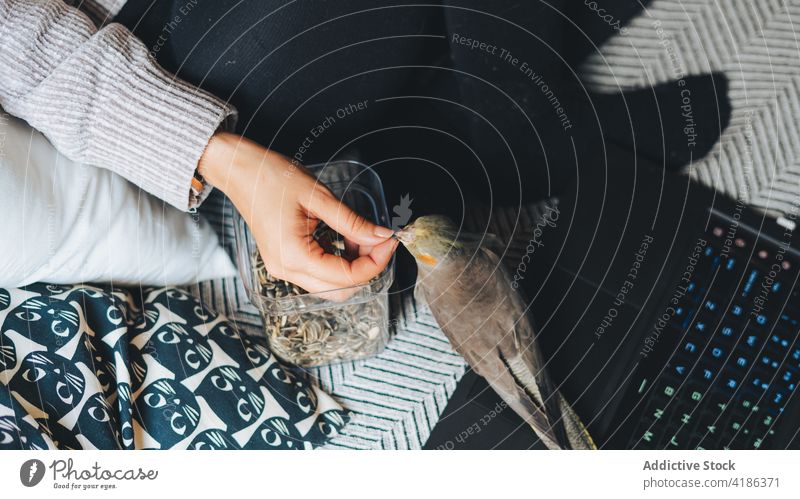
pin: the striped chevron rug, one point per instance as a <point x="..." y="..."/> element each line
<point x="757" y="45"/>
<point x="395" y="398"/>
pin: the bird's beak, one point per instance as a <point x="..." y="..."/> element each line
<point x="405" y="235"/>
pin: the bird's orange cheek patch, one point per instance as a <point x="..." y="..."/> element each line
<point x="427" y="259"/>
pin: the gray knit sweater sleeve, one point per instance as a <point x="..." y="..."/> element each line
<point x="101" y="99"/>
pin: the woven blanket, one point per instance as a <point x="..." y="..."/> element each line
<point x="755" y="44"/>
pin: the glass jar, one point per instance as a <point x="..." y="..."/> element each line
<point x="306" y="329"/>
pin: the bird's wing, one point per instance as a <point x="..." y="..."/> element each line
<point x="530" y="368"/>
<point x="472" y="301"/>
<point x="524" y="357"/>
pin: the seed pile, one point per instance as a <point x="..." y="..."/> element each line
<point x="326" y="336"/>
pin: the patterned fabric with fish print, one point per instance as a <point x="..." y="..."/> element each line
<point x="85" y="367"/>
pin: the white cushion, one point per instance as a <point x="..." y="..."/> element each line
<point x="66" y="223"/>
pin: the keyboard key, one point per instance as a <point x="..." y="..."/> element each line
<point x="750" y="283"/>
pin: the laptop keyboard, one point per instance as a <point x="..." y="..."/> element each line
<point x="735" y="361"/>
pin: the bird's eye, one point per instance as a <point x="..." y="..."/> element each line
<point x="33" y="374"/>
<point x="155" y="400"/>
<point x="5" y="438"/>
<point x="221" y="383"/>
<point x="28" y="316"/>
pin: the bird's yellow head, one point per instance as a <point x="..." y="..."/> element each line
<point x="430" y="238"/>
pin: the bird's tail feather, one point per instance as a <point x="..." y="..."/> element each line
<point x="566" y="429"/>
<point x="551" y="434"/>
<point x="578" y="435"/>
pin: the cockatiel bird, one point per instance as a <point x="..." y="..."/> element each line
<point x="471" y="298"/>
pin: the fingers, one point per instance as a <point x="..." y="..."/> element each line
<point x="345" y="221"/>
<point x="364" y="250"/>
<point x="310" y="283"/>
<point x="300" y="259"/>
<point x="316" y="271"/>
<point x="340" y="271"/>
<point x="352" y="249"/>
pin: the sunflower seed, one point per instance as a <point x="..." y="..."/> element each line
<point x="337" y="334"/>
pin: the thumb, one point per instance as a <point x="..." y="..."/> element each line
<point x="348" y="223"/>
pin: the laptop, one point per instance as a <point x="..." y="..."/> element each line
<point x="669" y="312"/>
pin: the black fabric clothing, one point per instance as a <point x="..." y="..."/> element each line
<point x="441" y="116"/>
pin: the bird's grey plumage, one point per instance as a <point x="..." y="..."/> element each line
<point x="471" y="298"/>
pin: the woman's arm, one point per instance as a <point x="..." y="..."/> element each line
<point x="101" y="99"/>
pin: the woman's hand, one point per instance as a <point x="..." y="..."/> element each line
<point x="282" y="204"/>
